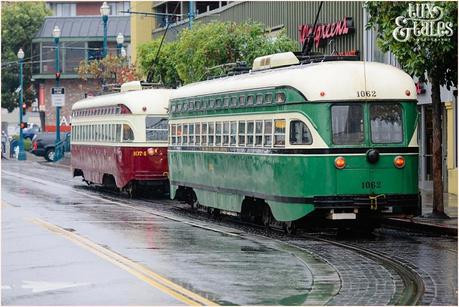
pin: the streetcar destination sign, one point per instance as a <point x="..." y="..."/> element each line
<point x="58" y="96"/>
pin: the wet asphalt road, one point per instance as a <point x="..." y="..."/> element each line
<point x="66" y="244"/>
<point x="45" y="266"/>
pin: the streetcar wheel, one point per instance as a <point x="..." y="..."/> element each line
<point x="266" y="217"/>
<point x="131" y="190"/>
<point x="192" y="200"/>
<point x="216" y="214"/>
<point x="289" y="227"/>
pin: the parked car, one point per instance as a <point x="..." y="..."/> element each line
<point x="43" y="144"/>
<point x="30" y="131"/>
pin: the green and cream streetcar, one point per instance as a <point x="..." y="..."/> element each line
<point x="331" y="139"/>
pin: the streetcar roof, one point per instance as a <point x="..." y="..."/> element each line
<point x="338" y="80"/>
<point x="155" y="100"/>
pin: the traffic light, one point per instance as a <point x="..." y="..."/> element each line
<point x="58" y="76"/>
<point x="23" y="125"/>
<point x="24" y="109"/>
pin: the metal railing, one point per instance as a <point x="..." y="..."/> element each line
<point x="61" y="147"/>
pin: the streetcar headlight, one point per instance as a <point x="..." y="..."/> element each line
<point x="340" y="163"/>
<point x="150" y="151"/>
<point x="399" y="162"/>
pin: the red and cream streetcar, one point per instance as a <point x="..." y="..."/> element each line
<point x="120" y="140"/>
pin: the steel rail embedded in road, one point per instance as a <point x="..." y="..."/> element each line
<point x="414" y="285"/>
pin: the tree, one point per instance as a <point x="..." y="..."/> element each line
<point x="111" y="69"/>
<point x="424" y="41"/>
<point x="20" y="22"/>
<point x="206" y="45"/>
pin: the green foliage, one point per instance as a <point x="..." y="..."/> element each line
<point x="111" y="69"/>
<point x="207" y="45"/>
<point x="20" y="22"/>
<point x="418" y="55"/>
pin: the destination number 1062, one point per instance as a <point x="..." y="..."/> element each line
<point x="366" y="94"/>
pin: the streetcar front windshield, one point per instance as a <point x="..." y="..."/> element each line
<point x="347" y="124"/>
<point x="386" y="123"/>
<point x="156" y="128"/>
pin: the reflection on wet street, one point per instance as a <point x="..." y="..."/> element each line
<point x="64" y="244"/>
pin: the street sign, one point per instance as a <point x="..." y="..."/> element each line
<point x="58" y="96"/>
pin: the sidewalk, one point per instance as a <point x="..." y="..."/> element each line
<point x="429" y="223"/>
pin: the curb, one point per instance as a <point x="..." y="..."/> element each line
<point x="421" y="226"/>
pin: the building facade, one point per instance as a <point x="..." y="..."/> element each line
<point x="343" y="31"/>
<point x="81" y="39"/>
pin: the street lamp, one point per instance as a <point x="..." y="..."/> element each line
<point x="104" y="11"/>
<point x="22" y="154"/>
<point x="57" y="35"/>
<point x="119" y="42"/>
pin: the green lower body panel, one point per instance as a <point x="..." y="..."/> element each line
<point x="223" y="201"/>
<point x="284" y="212"/>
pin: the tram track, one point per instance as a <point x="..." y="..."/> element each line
<point x="411" y="294"/>
<point x="413" y="283"/>
<point x="413" y="289"/>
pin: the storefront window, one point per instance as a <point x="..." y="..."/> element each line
<point x="74" y="54"/>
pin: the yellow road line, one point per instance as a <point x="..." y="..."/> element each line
<point x="135" y="269"/>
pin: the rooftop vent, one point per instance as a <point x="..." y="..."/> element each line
<point x="131" y="86"/>
<point x="275" y="60"/>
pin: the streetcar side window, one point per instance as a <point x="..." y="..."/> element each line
<point x="347" y="124"/>
<point x="128" y="134"/>
<point x="386" y="123"/>
<point x="218" y="134"/>
<point x="191" y="134"/>
<point x="173" y="140"/>
<point x="185" y="134"/>
<point x="197" y="131"/>
<point x="113" y="132"/>
<point x="225" y="133"/>
<point x="241" y="100"/>
<point x="279" y="132"/>
<point x="259" y="99"/>
<point x="258" y="133"/>
<point x="299" y="133"/>
<point x="179" y="134"/>
<point x="241" y="133"/>
<point x="268" y="133"/>
<point x="118" y="132"/>
<point x="204" y="134"/>
<point x="233" y="129"/>
<point x="269" y="98"/>
<point x="250" y="100"/>
<point x="211" y="133"/>
<point x="250" y="130"/>
<point x="233" y="101"/>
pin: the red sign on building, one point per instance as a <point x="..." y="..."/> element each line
<point x="324" y="32"/>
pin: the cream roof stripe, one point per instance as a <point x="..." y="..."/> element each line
<point x="340" y="80"/>
<point x="155" y="100"/>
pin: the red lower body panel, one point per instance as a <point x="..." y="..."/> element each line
<point x="140" y="164"/>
